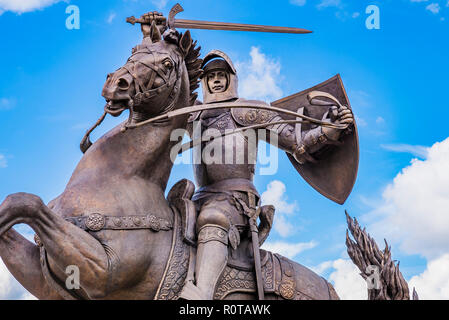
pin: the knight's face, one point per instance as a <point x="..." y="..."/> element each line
<point x="217" y="81"/>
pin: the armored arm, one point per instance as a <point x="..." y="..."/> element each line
<point x="301" y="148"/>
<point x="302" y="144"/>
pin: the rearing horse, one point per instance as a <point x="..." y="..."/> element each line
<point x="116" y="192"/>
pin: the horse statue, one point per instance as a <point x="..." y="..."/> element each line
<point x="113" y="222"/>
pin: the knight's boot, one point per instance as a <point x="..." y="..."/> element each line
<point x="212" y="256"/>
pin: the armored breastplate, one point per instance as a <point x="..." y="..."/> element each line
<point x="233" y="156"/>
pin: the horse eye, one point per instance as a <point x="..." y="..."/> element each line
<point x="168" y="64"/>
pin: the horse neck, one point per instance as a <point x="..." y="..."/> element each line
<point x="153" y="143"/>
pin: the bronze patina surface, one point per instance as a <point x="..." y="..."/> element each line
<point x="114" y="223"/>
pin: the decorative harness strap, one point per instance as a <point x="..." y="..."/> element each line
<point x="97" y="222"/>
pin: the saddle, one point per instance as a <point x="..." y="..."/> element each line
<point x="280" y="275"/>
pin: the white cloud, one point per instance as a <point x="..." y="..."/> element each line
<point x="345" y="278"/>
<point x="259" y="77"/>
<point x="3" y="162"/>
<point x="380" y="120"/>
<point x="21" y="6"/>
<point x="347" y="281"/>
<point x="289" y="250"/>
<point x="322" y="267"/>
<point x="417" y="151"/>
<point x="413" y="215"/>
<point x="414" y="210"/>
<point x="434" y="8"/>
<point x="111" y="17"/>
<point x="298" y="2"/>
<point x="275" y="195"/>
<point x="10" y="289"/>
<point x="329" y="3"/>
<point x="283" y="227"/>
<point x="433" y="283"/>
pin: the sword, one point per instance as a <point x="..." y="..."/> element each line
<point x="171" y="22"/>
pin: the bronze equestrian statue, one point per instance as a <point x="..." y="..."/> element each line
<point x="129" y="241"/>
<point x="113" y="221"/>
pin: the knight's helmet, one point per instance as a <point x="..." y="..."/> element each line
<point x="218" y="60"/>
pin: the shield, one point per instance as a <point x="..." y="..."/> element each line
<point x="335" y="171"/>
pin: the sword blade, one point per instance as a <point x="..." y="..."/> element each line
<point x="211" y="25"/>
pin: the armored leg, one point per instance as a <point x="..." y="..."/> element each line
<point x="212" y="253"/>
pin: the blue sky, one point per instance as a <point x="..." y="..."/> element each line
<point x="50" y="93"/>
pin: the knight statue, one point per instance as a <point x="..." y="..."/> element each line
<point x="227" y="200"/>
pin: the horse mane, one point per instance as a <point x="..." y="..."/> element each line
<point x="193" y="65"/>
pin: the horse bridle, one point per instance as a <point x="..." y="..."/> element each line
<point x="144" y="93"/>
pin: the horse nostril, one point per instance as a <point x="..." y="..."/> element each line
<point x="123" y="84"/>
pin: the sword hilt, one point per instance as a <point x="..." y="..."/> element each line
<point x="147" y="19"/>
<point x="157" y="17"/>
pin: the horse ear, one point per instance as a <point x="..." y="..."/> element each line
<point x="186" y="42"/>
<point x="155" y="34"/>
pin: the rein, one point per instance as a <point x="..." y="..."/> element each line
<point x="193" y="143"/>
<point x="305" y="119"/>
<point x="143" y="95"/>
<point x="225" y="105"/>
<point x="312" y="95"/>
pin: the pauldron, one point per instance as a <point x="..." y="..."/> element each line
<point x="247" y="117"/>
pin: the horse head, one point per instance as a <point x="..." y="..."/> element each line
<point x="160" y="72"/>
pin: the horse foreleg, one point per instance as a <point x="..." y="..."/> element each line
<point x="66" y="244"/>
<point x="21" y="257"/>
